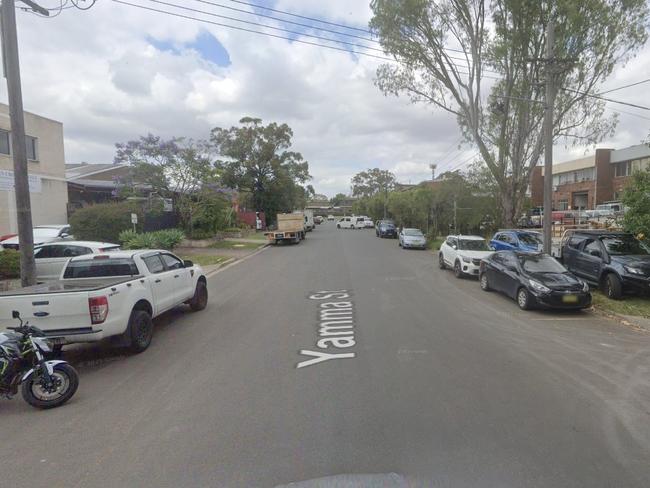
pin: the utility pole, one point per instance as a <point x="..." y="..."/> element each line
<point x="548" y="135"/>
<point x="18" y="147"/>
<point x="455" y="216"/>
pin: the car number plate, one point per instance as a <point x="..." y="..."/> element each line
<point x="570" y="298"/>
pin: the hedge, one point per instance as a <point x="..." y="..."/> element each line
<point x="9" y="264"/>
<point x="160" y="239"/>
<point x="104" y="221"/>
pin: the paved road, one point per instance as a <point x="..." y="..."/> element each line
<point x="449" y="386"/>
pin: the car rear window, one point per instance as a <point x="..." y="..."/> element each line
<point x="100" y="268"/>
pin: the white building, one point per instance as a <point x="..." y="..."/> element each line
<point x="46" y="166"/>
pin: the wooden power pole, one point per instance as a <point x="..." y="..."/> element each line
<point x="548" y="136"/>
<point x="18" y="147"/>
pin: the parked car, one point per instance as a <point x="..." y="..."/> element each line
<point x="108" y="295"/>
<point x="533" y="279"/>
<point x="412" y="238"/>
<point x="368" y="223"/>
<point x="463" y="254"/>
<point x="522" y="240"/>
<point x="386" y="228"/>
<point x="42" y="234"/>
<point x="330" y="218"/>
<point x="7" y="236"/>
<point x="318" y="220"/>
<point x="346" y="223"/>
<point x="617" y="262"/>
<point x="51" y="257"/>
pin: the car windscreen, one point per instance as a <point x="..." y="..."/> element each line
<point x="529" y="239"/>
<point x="100" y="268"/>
<point x="413" y="233"/>
<point x="541" y="264"/>
<point x="622" y="245"/>
<point x="473" y="245"/>
<point x="387" y="225"/>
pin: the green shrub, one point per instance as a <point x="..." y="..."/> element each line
<point x="160" y="239"/>
<point x="9" y="264"/>
<point x="232" y="229"/>
<point x="104" y="221"/>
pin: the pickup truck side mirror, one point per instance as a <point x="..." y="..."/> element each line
<point x="187" y="263"/>
<point x="15" y="314"/>
<point x="596" y="252"/>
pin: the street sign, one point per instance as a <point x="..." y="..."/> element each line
<point x="134" y="218"/>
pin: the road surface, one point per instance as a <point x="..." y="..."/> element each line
<point x="433" y="380"/>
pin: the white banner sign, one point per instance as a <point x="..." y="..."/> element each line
<point x="7" y="181"/>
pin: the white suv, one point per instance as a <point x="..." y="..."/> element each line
<point x="463" y="254"/>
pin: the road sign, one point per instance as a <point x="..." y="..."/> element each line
<point x="134" y="218"/>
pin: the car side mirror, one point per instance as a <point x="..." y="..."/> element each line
<point x="454" y="247"/>
<point x="15" y="314"/>
<point x="492" y="248"/>
<point x="64" y="235"/>
<point x="513" y="269"/>
<point x="187" y="263"/>
<point x="596" y="252"/>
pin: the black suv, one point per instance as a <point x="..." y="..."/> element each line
<point x="616" y="261"/>
<point x="386" y="228"/>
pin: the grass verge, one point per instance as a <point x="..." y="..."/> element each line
<point x="235" y="245"/>
<point x="258" y="236"/>
<point x="206" y="259"/>
<point x="636" y="306"/>
<point x="434" y="244"/>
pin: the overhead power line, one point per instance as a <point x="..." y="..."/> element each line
<point x="243" y="29"/>
<point x="605" y="99"/>
<point x="623" y="87"/>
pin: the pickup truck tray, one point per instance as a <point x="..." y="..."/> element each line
<point x="68" y="286"/>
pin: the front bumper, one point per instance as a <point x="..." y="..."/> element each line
<point x="564" y="300"/>
<point x="636" y="283"/>
<point x="414" y="245"/>
<point x="472" y="268"/>
<point x="388" y="233"/>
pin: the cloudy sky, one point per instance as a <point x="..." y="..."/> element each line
<point x="115" y="72"/>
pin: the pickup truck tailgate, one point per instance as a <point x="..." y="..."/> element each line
<point x="53" y="307"/>
<point x="47" y="312"/>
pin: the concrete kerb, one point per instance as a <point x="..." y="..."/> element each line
<point x="639" y="324"/>
<point x="233" y="261"/>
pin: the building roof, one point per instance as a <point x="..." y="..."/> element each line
<point x="574" y="165"/>
<point x="628" y="153"/>
<point x="83" y="170"/>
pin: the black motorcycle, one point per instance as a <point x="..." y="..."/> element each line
<point x="44" y="383"/>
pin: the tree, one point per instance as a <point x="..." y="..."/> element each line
<point x="176" y="168"/>
<point x="257" y="160"/>
<point x="445" y="51"/>
<point x="337" y="199"/>
<point x="636" y="197"/>
<point x="373" y="182"/>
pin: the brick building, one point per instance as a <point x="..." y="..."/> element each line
<point x="586" y="182"/>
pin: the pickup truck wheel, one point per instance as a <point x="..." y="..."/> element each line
<point x="140" y="330"/>
<point x="613" y="287"/>
<point x="338" y="226"/>
<point x="200" y="299"/>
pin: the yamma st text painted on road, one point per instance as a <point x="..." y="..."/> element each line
<point x="335" y="328"/>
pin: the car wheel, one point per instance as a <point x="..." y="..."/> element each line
<point x="338" y="226"/>
<point x="458" y="272"/>
<point x="485" y="284"/>
<point x="441" y="261"/>
<point x="140" y="330"/>
<point x="613" y="287"/>
<point x="523" y="299"/>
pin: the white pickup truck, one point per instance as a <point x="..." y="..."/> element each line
<point x="108" y="295"/>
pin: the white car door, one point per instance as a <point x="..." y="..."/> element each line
<point x="48" y="259"/>
<point x="162" y="283"/>
<point x="181" y="277"/>
<point x="451" y="251"/>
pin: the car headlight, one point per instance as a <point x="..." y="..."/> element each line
<point x="538" y="287"/>
<point x="634" y="271"/>
<point x="585" y="286"/>
<point x="466" y="259"/>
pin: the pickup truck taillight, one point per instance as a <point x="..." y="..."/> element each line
<point x="98" y="307"/>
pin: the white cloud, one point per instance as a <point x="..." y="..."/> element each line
<point x="97" y="72"/>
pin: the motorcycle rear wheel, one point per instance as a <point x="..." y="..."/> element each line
<point x="35" y="393"/>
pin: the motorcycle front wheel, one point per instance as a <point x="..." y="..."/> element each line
<point x="65" y="381"/>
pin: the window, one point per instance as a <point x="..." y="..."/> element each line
<point x="71" y="251"/>
<point x="172" y="262"/>
<point x="154" y="264"/>
<point x="574" y="242"/>
<point x="5" y="147"/>
<point x="99" y="268"/>
<point x="622" y="169"/>
<point x="473" y="245"/>
<point x="625" y="245"/>
<point x="563" y="205"/>
<point x="541" y="264"/>
<point x="45" y="252"/>
<point x="592" y="245"/>
<point x="30" y="146"/>
<point x="506" y="238"/>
